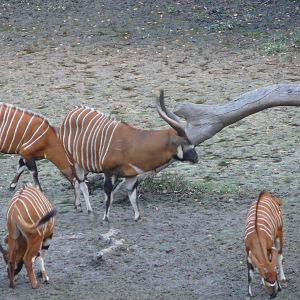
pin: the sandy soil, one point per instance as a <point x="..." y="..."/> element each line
<point x="115" y="56"/>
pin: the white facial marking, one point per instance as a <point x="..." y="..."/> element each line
<point x="270" y="284"/>
<point x="46" y="242"/>
<point x="179" y="152"/>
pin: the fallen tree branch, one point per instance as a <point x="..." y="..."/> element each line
<point x="115" y="244"/>
<point x="204" y="121"/>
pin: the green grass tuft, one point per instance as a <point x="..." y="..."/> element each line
<point x="221" y="26"/>
<point x="277" y="46"/>
<point x="283" y="43"/>
<point x="296" y="38"/>
<point x="170" y="183"/>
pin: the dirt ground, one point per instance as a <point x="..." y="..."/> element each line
<point x="115" y="56"/>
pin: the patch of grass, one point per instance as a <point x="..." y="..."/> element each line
<point x="200" y="13"/>
<point x="29" y="50"/>
<point x="5" y="28"/>
<point x="167" y="183"/>
<point x="170" y="183"/>
<point x="228" y="189"/>
<point x="254" y="34"/>
<point x="221" y="26"/>
<point x="283" y="43"/>
<point x="296" y="38"/>
<point x="277" y="46"/>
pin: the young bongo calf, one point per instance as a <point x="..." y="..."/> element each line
<point x="263" y="231"/>
<point x="30" y="224"/>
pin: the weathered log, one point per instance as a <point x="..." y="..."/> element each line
<point x="204" y="121"/>
<point x="115" y="244"/>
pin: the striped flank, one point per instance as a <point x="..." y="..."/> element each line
<point x="20" y="130"/>
<point x="30" y="206"/>
<point x="264" y="217"/>
<point x="87" y="135"/>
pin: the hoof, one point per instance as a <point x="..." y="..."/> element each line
<point x="283" y="279"/>
<point x="105" y="218"/>
<point x="46" y="280"/>
<point x="279" y="288"/>
<point x="137" y="218"/>
<point x="35" y="286"/>
<point x="12" y="188"/>
<point x="78" y="208"/>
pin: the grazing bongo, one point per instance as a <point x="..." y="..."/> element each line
<point x="264" y="242"/>
<point x="100" y="144"/>
<point x="31" y="136"/>
<point x="30" y="224"/>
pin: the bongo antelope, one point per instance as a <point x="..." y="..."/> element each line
<point x="100" y="144"/>
<point x="264" y="242"/>
<point x="31" y="136"/>
<point x="30" y="224"/>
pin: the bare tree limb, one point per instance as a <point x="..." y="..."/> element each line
<point x="115" y="244"/>
<point x="204" y="121"/>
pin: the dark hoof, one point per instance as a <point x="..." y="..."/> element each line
<point x="137" y="218"/>
<point x="46" y="281"/>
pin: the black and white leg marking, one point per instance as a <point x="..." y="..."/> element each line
<point x="250" y="276"/>
<point x="20" y="170"/>
<point x="19" y="267"/>
<point x="117" y="183"/>
<point x="111" y="186"/>
<point x="108" y="188"/>
<point x="31" y="165"/>
<point x="279" y="261"/>
<point x="41" y="264"/>
<point x="281" y="273"/>
<point x="81" y="186"/>
<point x="131" y="185"/>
